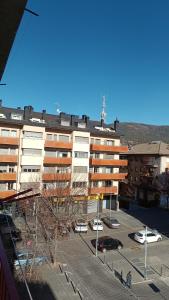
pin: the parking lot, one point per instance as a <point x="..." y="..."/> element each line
<point x="78" y="254"/>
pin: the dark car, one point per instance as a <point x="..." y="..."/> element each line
<point x="111" y="222"/>
<point x="108" y="243"/>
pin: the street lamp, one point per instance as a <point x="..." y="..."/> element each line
<point x="97" y="232"/>
<point x="145" y="256"/>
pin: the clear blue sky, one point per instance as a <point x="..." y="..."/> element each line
<point x="77" y="51"/>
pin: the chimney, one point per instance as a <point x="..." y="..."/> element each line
<point x="28" y="110"/>
<point x="43" y="113"/>
<point x="116" y="122"/>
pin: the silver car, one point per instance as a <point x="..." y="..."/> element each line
<point x="111" y="222"/>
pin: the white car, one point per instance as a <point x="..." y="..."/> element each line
<point x="152" y="236"/>
<point x="80" y="226"/>
<point x="96" y="224"/>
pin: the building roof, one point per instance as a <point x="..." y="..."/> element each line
<point x="155" y="148"/>
<point x="55" y="122"/>
<point x="11" y="12"/>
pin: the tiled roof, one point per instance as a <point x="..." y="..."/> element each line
<point x="158" y="148"/>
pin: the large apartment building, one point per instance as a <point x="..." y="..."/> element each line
<point x="59" y="155"/>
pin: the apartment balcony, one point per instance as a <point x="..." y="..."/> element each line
<point x="4" y="194"/>
<point x="7" y="176"/>
<point x="108" y="162"/>
<point x="105" y="148"/>
<point x="57" y="160"/>
<point x="56" y="177"/>
<point x="9" y="141"/>
<point x="8" y="158"/>
<point x="58" y="145"/>
<point x="112" y="176"/>
<point x="103" y="190"/>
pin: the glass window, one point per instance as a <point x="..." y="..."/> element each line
<point x="109" y="142"/>
<point x="97" y="141"/>
<point x="97" y="155"/>
<point x="81" y="139"/>
<point x="62" y="154"/>
<point x="13" y="151"/>
<point x="80" y="154"/>
<point x="64" y="138"/>
<point x="49" y="137"/>
<point x="13" y="133"/>
<point x="55" y="137"/>
<point x="65" y="122"/>
<point x="16" y="117"/>
<point x="92" y="141"/>
<point x="2" y="186"/>
<point x="32" y="152"/>
<point x="5" y="132"/>
<point x="80" y="169"/>
<point x="30" y="169"/>
<point x="50" y="153"/>
<point x="81" y="125"/>
<point x="33" y="135"/>
<point x="79" y="184"/>
<point x="4" y="151"/>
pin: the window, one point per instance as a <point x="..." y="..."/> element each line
<point x="96" y="169"/>
<point x="49" y="137"/>
<point x="79" y="184"/>
<point x="10" y="185"/>
<point x="3" y="169"/>
<point x="11" y="169"/>
<point x="32" y="152"/>
<point x="65" y="122"/>
<point x="55" y="137"/>
<point x="95" y="183"/>
<point x="80" y="154"/>
<point x="108" y="156"/>
<point x="64" y="138"/>
<point x="2" y="186"/>
<point x="81" y="125"/>
<point x="80" y="169"/>
<point x="50" y="153"/>
<point x="5" y="132"/>
<point x="4" y="151"/>
<point x="63" y="154"/>
<point x="16" y="117"/>
<point x="97" y="155"/>
<point x="13" y="133"/>
<point x="30" y="169"/>
<point x="109" y="142"/>
<point x="33" y="135"/>
<point x="92" y="141"/>
<point x="97" y="141"/>
<point x="107" y="183"/>
<point x="81" y="139"/>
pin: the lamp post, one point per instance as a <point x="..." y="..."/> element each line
<point x="97" y="232"/>
<point x="110" y="204"/>
<point x="145" y="256"/>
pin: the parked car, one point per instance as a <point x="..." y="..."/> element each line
<point x="152" y="236"/>
<point x="108" y="243"/>
<point x="25" y="259"/>
<point x="111" y="222"/>
<point x="80" y="226"/>
<point x="96" y="224"/>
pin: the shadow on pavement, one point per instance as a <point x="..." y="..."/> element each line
<point x="38" y="290"/>
<point x="154" y="218"/>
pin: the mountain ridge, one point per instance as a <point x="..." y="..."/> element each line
<point x="137" y="133"/>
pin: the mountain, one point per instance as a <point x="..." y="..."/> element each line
<point x="136" y="133"/>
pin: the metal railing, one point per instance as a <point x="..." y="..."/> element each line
<point x="8" y="289"/>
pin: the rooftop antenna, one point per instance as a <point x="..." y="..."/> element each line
<point x="103" y="113"/>
<point x="58" y="111"/>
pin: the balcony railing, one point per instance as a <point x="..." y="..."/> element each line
<point x="8" y="289"/>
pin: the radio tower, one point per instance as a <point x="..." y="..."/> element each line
<point x="103" y="113"/>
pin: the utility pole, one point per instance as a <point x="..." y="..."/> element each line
<point x="110" y="204"/>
